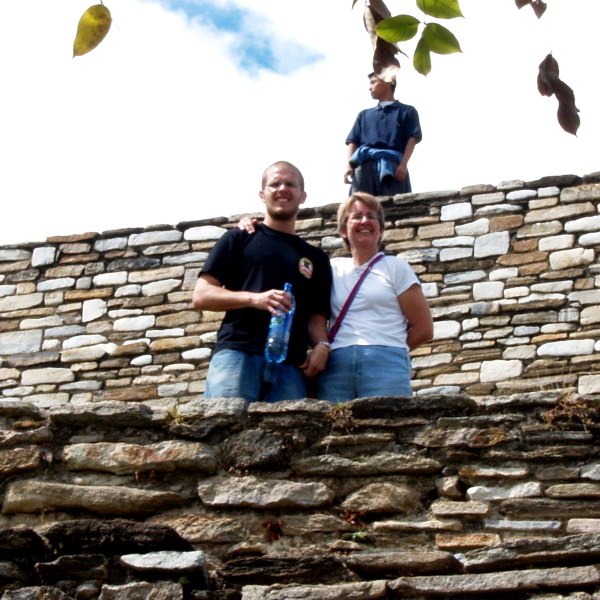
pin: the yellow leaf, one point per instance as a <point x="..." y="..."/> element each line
<point x="92" y="29"/>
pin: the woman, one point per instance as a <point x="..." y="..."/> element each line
<point x="388" y="317"/>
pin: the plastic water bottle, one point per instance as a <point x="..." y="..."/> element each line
<point x="278" y="338"/>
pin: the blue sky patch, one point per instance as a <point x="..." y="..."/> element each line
<point x="255" y="46"/>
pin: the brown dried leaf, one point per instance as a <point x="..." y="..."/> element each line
<point x="521" y="3"/>
<point x="549" y="83"/>
<point x="385" y="63"/>
<point x="539" y="8"/>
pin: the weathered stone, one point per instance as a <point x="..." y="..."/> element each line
<point x="531" y="489"/>
<point x="499" y="370"/>
<point x="204" y="233"/>
<point x="140" y="323"/>
<point x="31" y="496"/>
<point x="466" y="541"/>
<point x="161" y="590"/>
<point x="191" y="563"/>
<point x="83" y="567"/>
<point x="491" y="198"/>
<point x="456" y="211"/>
<point x="21" y="342"/>
<point x="20" y="302"/>
<point x="198" y="529"/>
<point x="113" y="537"/>
<point x="447" y="508"/>
<point x="170" y="344"/>
<point x="163" y="286"/>
<point x="156" y="274"/>
<point x="469" y="437"/>
<point x="574" y="490"/>
<point x="343" y="591"/>
<point x="566" y="259"/>
<point x="386" y="497"/>
<point x="549" y="508"/>
<point x="86" y="353"/>
<point x="130" y="458"/>
<point x="540" y="229"/>
<point x="396" y="564"/>
<point x="108" y="414"/>
<point x="334" y="465"/>
<point x="416" y="526"/>
<point x="559" y="212"/>
<point x="257" y="493"/>
<point x="42" y="592"/>
<point x="154" y="237"/>
<point x="255" y="449"/>
<point x="514" y="554"/>
<point x="477" y="227"/>
<point x="499" y="583"/>
<point x="526" y="526"/>
<point x="17" y="460"/>
<point x="492" y="244"/>
<point x="567" y="348"/>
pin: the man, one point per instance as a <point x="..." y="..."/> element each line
<point x="381" y="143"/>
<point x="244" y="275"/>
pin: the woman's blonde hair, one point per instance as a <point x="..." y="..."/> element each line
<point x="346" y="208"/>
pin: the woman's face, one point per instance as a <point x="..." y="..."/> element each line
<point x="363" y="228"/>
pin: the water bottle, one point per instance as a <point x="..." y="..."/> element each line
<point x="276" y="348"/>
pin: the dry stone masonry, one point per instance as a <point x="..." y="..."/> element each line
<point x="118" y="480"/>
<point x="511" y="273"/>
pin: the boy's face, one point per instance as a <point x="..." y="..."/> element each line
<point x="378" y="87"/>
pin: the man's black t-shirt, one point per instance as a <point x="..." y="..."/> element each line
<point x="263" y="261"/>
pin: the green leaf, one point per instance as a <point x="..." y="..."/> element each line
<point x="398" y="29"/>
<point x="440" y="40"/>
<point x="440" y="9"/>
<point x="422" y="57"/>
<point x="92" y="29"/>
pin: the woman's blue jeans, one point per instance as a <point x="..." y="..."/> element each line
<point x="364" y="371"/>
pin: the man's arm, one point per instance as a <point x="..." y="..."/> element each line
<point x="317" y="359"/>
<point x="352" y="148"/>
<point x="209" y="294"/>
<point x="402" y="168"/>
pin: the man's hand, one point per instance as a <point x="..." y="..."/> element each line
<point x="275" y="301"/>
<point x="401" y="172"/>
<point x="348" y="175"/>
<point x="315" y="361"/>
<point x="247" y="224"/>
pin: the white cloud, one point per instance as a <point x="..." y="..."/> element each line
<point x="158" y="125"/>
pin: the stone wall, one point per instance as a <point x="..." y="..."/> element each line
<point x="119" y="481"/>
<point x="511" y="273"/>
<point x="435" y="496"/>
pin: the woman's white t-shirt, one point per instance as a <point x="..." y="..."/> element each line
<point x="374" y="318"/>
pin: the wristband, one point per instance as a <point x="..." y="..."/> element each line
<point x="326" y="344"/>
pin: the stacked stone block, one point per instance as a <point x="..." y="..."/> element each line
<point x="438" y="496"/>
<point x="511" y="273"/>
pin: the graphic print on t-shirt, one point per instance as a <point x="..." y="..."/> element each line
<point x="306" y="267"/>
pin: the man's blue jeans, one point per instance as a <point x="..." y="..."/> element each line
<point x="364" y="371"/>
<point x="236" y="374"/>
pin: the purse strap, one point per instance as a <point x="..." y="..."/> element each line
<point x="334" y="328"/>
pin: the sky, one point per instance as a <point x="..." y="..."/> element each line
<point x="179" y="110"/>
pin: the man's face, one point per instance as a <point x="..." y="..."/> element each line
<point x="378" y="87"/>
<point x="282" y="193"/>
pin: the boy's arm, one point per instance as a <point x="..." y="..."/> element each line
<point x="352" y="147"/>
<point x="402" y="168"/>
